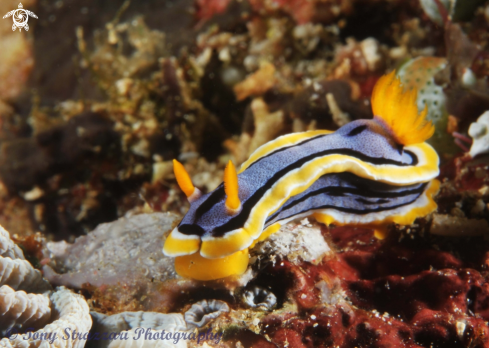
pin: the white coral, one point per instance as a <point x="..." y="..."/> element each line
<point x="129" y="320"/>
<point x="204" y="311"/>
<point x="7" y="247"/>
<point x="21" y="311"/>
<point x="20" y="275"/>
<point x="136" y="341"/>
<point x="15" y="271"/>
<point x="259" y="298"/>
<point x="479" y="131"/>
<point x="137" y="326"/>
<point x="73" y="316"/>
<point x="156" y="330"/>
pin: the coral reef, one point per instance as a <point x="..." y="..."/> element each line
<point x="445" y="225"/>
<point x="358" y="298"/>
<point x="20" y="275"/>
<point x="126" y="324"/>
<point x="203" y="312"/>
<point x="55" y="151"/>
<point x="15" y="271"/>
<point x="71" y="311"/>
<point x="34" y="309"/>
<point x="259" y="298"/>
<point x="88" y="132"/>
<point x="50" y="316"/>
<point x="129" y="320"/>
<point x="8" y="248"/>
<point x="134" y="329"/>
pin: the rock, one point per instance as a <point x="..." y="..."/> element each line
<point x="119" y="261"/>
<point x="128" y="250"/>
<point x="446" y="225"/>
<point x="296" y="242"/>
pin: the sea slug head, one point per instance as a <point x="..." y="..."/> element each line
<point x="206" y="213"/>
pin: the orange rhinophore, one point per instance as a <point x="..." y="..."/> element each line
<point x="231" y="188"/>
<point x="184" y="181"/>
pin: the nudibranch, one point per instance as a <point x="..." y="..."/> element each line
<point x="368" y="173"/>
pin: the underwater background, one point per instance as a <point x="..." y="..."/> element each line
<point x="98" y="97"/>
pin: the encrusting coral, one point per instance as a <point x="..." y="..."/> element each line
<point x="20" y="311"/>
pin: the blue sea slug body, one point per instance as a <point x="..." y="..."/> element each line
<point x="368" y="173"/>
